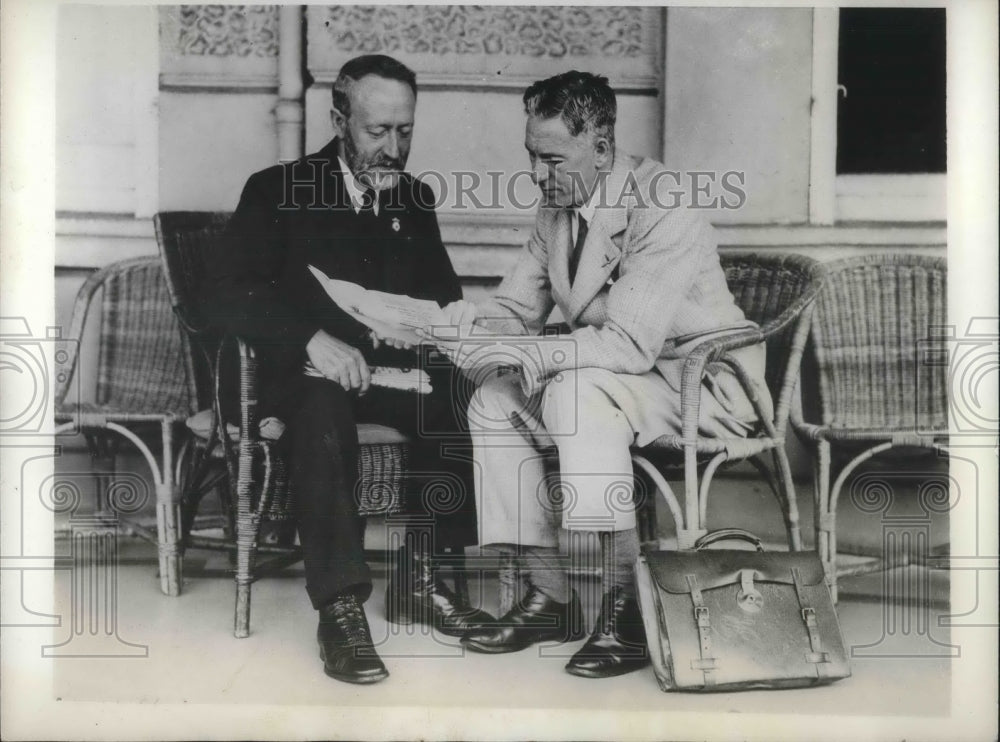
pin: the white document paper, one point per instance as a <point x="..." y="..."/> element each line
<point x="404" y="379"/>
<point x="390" y="315"/>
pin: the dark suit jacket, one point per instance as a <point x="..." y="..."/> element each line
<point x="298" y="214"/>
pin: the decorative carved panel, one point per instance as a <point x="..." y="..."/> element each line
<point x="228" y="30"/>
<point x="219" y="45"/>
<point x="491" y="46"/>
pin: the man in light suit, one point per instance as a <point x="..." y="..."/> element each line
<point x="637" y="278"/>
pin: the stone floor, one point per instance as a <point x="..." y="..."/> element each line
<point x="181" y="650"/>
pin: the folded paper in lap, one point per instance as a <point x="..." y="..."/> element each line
<point x="394" y="316"/>
<point x="403" y="379"/>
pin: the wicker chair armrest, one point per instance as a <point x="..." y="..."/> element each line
<point x="715" y="348"/>
<point x="695" y="366"/>
<point x="805" y="431"/>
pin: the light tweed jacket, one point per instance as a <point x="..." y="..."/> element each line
<point x="648" y="286"/>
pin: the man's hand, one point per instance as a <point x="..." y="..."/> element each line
<point x="339" y="362"/>
<point x="460" y="313"/>
<point x="474" y="350"/>
<point x="378" y="340"/>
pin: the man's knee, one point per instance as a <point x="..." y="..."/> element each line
<point x="494" y="403"/>
<point x="323" y="407"/>
<point x="577" y="399"/>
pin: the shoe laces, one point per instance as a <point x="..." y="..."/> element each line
<point x="353" y="622"/>
<point x="606" y="621"/>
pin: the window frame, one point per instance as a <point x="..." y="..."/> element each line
<point x="876" y="197"/>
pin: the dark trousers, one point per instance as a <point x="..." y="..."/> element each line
<point x="321" y="443"/>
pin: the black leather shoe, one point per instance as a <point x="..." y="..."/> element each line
<point x="345" y="643"/>
<point x="415" y="595"/>
<point x="618" y="642"/>
<point x="536" y="618"/>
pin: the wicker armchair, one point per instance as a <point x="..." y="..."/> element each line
<point x="256" y="469"/>
<point x="874" y="391"/>
<point x="777" y="293"/>
<point x="145" y="378"/>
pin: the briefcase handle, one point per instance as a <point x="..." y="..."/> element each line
<point x="728" y="534"/>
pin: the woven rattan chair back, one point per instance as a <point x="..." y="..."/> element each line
<point x="871" y="320"/>
<point x="186" y="238"/>
<point x="144" y="361"/>
<point x="772" y="291"/>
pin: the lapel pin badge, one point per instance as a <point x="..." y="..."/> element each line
<point x="395" y="224"/>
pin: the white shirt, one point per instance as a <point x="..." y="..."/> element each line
<point x="354" y="190"/>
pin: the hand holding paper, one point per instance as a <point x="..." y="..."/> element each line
<point x="390" y="316"/>
<point x="475" y="350"/>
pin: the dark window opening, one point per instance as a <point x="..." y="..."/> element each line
<point x="892" y="63"/>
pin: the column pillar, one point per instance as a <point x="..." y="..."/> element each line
<point x="290" y="111"/>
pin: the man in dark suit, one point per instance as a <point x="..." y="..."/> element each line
<point x="351" y="211"/>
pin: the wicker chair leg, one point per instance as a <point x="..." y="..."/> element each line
<point x="247" y="527"/>
<point x="823" y="517"/>
<point x="102" y="483"/>
<point x="169" y="517"/>
<point x="186" y="476"/>
<point x="693" y="527"/>
<point x="790" y="501"/>
<point x="661" y="487"/>
<point x="645" y="515"/>
<point x="168" y="523"/>
<point x="706" y="483"/>
<point x="103" y="455"/>
<point x="225" y="493"/>
<point x="241" y="624"/>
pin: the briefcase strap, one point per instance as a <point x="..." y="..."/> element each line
<point x="707" y="662"/>
<point x="817" y="656"/>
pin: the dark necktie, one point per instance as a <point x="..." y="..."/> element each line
<point x="368" y="199"/>
<point x="581" y="237"/>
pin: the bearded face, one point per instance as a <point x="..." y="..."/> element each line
<point x="375" y="138"/>
<point x="375" y="169"/>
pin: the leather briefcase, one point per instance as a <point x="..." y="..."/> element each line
<point x="721" y="620"/>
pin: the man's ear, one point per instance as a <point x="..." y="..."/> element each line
<point x="602" y="152"/>
<point x="338" y="122"/>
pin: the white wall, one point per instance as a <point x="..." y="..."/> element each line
<point x="105" y="93"/>
<point x="737" y="98"/>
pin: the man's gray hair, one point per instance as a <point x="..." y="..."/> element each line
<point x="369" y="64"/>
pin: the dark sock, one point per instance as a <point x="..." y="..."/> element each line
<point x="620" y="549"/>
<point x="546" y="572"/>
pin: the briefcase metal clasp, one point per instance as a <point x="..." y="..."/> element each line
<point x="749" y="598"/>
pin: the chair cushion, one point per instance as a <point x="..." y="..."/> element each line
<point x="372" y="434"/>
<point x="271" y="429"/>
<point x="202" y="422"/>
